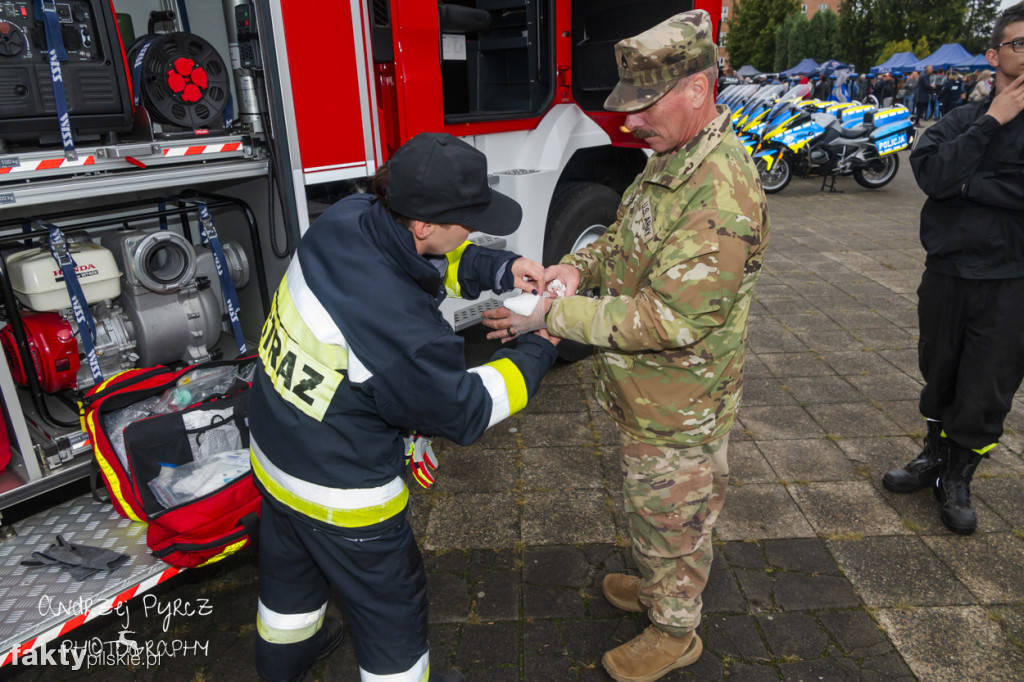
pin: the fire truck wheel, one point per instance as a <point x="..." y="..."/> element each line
<point x="580" y="213"/>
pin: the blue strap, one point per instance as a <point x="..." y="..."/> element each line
<point x="137" y="71"/>
<point x="227" y="286"/>
<point x="47" y="11"/>
<point x="79" y="306"/>
<point x="229" y="112"/>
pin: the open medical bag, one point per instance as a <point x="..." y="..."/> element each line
<point x="173" y="450"/>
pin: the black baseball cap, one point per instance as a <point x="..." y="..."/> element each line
<point x="438" y="178"/>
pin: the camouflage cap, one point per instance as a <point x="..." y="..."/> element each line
<point x="652" y="62"/>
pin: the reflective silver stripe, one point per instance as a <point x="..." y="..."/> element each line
<point x="319" y="320"/>
<point x="288" y="628"/>
<point x="417" y="673"/>
<point x="335" y="498"/>
<point x="495" y="385"/>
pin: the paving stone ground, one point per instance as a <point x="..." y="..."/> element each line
<point x="819" y="573"/>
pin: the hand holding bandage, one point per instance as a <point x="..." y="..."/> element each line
<point x="520" y="315"/>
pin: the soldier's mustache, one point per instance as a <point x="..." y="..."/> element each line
<point x="642" y="133"/>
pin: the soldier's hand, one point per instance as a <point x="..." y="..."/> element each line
<point x="529" y="275"/>
<point x="1009" y="102"/>
<point x="509" y="325"/>
<point x="544" y="334"/>
<point x="567" y="274"/>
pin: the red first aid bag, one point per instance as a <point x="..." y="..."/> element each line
<point x="173" y="450"/>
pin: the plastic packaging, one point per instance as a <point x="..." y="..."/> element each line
<point x="194" y="387"/>
<point x="161" y="485"/>
<point x="116" y="422"/>
<point x="181" y="484"/>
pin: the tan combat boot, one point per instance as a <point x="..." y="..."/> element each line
<point x="652" y="654"/>
<point x="622" y="592"/>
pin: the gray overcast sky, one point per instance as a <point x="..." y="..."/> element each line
<point x="1007" y="3"/>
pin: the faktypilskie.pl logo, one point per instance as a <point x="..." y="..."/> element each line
<point x="127" y="649"/>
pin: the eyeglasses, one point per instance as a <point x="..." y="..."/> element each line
<point x="1018" y="44"/>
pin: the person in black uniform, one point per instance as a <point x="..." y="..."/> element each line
<point x="354" y="356"/>
<point x="923" y="94"/>
<point x="971" y="298"/>
<point x="951" y="92"/>
<point x="823" y="88"/>
<point x="885" y="90"/>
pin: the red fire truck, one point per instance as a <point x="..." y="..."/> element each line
<point x="117" y="117"/>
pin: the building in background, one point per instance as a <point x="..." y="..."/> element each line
<point x="808" y="8"/>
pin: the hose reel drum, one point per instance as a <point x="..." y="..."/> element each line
<point x="180" y="79"/>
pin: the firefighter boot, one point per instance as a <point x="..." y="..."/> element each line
<point x="651" y="655"/>
<point x="622" y="591"/>
<point x="335" y="632"/>
<point x="920" y="472"/>
<point x="953" y="488"/>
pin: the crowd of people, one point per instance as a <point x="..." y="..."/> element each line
<point x="928" y="94"/>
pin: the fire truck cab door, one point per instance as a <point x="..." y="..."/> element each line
<point x="598" y="24"/>
<point x="329" y="81"/>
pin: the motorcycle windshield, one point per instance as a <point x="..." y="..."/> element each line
<point x="769" y="93"/>
<point x="796" y="92"/>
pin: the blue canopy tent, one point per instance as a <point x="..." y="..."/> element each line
<point x="747" y="71"/>
<point x="827" y="68"/>
<point x="804" y="68"/>
<point x="949" y="55"/>
<point x="901" y="61"/>
<point x="977" y="64"/>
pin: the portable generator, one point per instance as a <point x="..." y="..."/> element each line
<point x="93" y="75"/>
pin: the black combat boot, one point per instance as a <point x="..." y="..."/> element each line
<point x="953" y="488"/>
<point x="920" y="472"/>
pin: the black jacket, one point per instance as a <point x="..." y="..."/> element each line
<point x="884" y="89"/>
<point x="949" y="95"/>
<point x="823" y="89"/>
<point x="925" y="87"/>
<point x="357" y="313"/>
<point x="972" y="170"/>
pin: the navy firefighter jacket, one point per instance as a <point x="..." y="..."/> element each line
<point x="355" y="354"/>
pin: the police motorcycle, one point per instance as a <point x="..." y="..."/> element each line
<point x="736" y="96"/>
<point x="756" y="108"/>
<point x="751" y="128"/>
<point x="849" y="139"/>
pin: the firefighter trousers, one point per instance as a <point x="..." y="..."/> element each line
<point x="377" y="571"/>
<point x="971" y="354"/>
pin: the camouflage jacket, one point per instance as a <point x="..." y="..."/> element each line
<point x="675" y="274"/>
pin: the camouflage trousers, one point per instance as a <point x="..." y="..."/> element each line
<point x="673" y="497"/>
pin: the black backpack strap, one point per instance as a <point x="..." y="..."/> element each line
<point x="94" y="485"/>
<point x="251" y="523"/>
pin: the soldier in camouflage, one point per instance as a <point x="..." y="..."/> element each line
<point x="675" y="274"/>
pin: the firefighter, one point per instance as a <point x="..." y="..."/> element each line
<point x="354" y="355"/>
<point x="969" y="309"/>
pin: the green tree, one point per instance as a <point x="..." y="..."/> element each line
<point x="791" y="41"/>
<point x="892" y="47"/>
<point x="799" y="49"/>
<point x="782" y="46"/>
<point x="751" y="38"/>
<point x="858" y="33"/>
<point x="939" y="21"/>
<point x="921" y="49"/>
<point x="821" y="35"/>
<point x="977" y="26"/>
